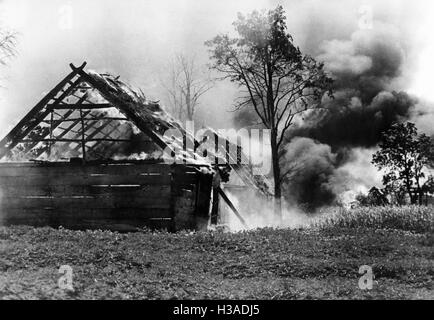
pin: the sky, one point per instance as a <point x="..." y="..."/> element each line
<point x="136" y="39"/>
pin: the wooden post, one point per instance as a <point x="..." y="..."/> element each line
<point x="83" y="142"/>
<point x="51" y="133"/>
<point x="231" y="205"/>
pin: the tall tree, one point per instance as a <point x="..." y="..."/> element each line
<point x="404" y="154"/>
<point x="275" y="78"/>
<point x="187" y="83"/>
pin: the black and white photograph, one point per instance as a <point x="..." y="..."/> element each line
<point x="235" y="151"/>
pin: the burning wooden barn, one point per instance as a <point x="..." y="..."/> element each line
<point x="94" y="153"/>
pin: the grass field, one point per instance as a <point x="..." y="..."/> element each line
<point x="319" y="262"/>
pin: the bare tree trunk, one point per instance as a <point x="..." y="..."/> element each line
<point x="189" y="104"/>
<point x="276" y="175"/>
<point x="187" y="86"/>
<point x="419" y="191"/>
<point x="413" y="199"/>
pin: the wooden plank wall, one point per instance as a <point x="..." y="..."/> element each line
<point x="184" y="187"/>
<point x="120" y="197"/>
<point x="191" y="190"/>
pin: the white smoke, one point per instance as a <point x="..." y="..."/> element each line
<point x="258" y="212"/>
<point x="357" y="175"/>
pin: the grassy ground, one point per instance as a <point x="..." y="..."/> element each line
<point x="321" y="262"/>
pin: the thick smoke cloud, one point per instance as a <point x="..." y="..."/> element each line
<point x="338" y="141"/>
<point x="311" y="165"/>
<point x="321" y="177"/>
<point x="334" y="145"/>
<point x="365" y="69"/>
<point x="348" y="122"/>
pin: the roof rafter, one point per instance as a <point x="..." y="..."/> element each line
<point x="39" y="112"/>
<point x="29" y="147"/>
<point x="138" y="121"/>
<point x="77" y="106"/>
<point x="96" y="131"/>
<point x="108" y="134"/>
<point x="64" y="133"/>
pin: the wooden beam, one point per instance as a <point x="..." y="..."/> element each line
<point x="73" y="140"/>
<point x="32" y="123"/>
<point x="231" y="206"/>
<point x="139" y="122"/>
<point x="64" y="133"/>
<point x="38" y="113"/>
<point x="74" y="68"/>
<point x="86" y="119"/>
<point x="70" y="130"/>
<point x="51" y="132"/>
<point x="83" y="137"/>
<point x="71" y="126"/>
<point x="30" y="147"/>
<point x="87" y="127"/>
<point x="99" y="129"/>
<point x="57" y="123"/>
<point x="87" y="106"/>
<point x="108" y="134"/>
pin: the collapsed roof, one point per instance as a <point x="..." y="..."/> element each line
<point x="97" y="116"/>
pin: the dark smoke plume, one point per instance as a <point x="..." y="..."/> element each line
<point x="348" y="122"/>
<point x="313" y="163"/>
<point x="367" y="70"/>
